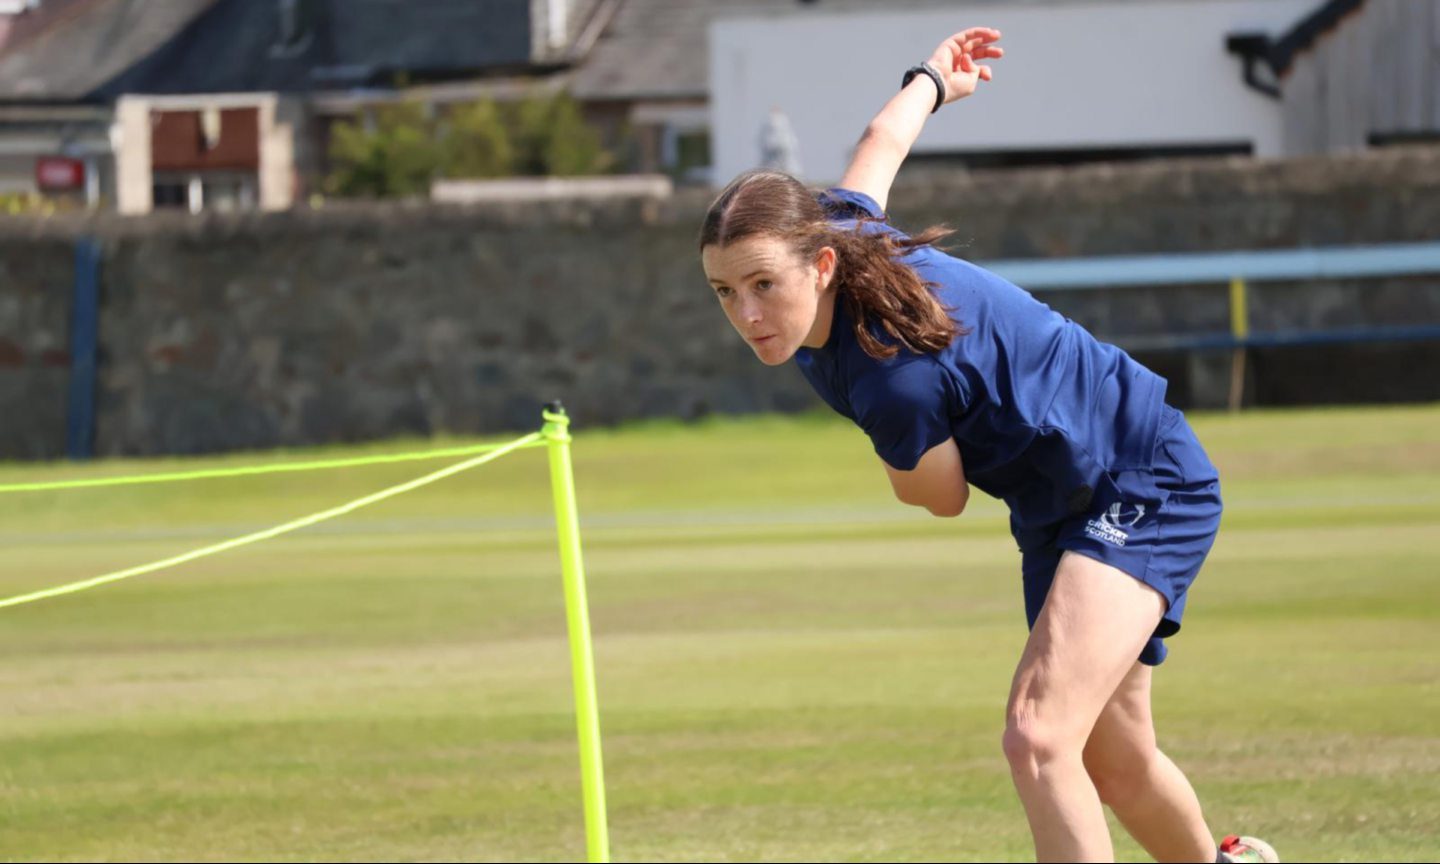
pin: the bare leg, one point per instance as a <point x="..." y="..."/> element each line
<point x="1095" y="621"/>
<point x="1148" y="794"/>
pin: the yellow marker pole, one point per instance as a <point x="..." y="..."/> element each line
<point x="1240" y="332"/>
<point x="556" y="433"/>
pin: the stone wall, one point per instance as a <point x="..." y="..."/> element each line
<point x="36" y="283"/>
<point x="351" y="322"/>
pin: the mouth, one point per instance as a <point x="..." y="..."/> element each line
<point x="761" y="340"/>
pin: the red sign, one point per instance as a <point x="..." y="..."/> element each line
<point x="58" y="174"/>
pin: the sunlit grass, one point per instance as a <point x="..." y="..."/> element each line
<point x="791" y="665"/>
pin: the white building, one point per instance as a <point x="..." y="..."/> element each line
<point x="1088" y="80"/>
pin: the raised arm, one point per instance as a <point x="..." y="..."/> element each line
<point x="889" y="137"/>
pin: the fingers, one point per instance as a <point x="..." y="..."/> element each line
<point x="978" y="34"/>
<point x="970" y="74"/>
<point x="981" y="49"/>
<point x="976" y="42"/>
<point x="968" y="66"/>
<point x="968" y="40"/>
<point x="962" y="54"/>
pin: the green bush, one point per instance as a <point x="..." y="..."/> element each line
<point x="407" y="147"/>
<point x="397" y="157"/>
<point x="553" y="139"/>
<point x="475" y="142"/>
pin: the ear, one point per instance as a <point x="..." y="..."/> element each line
<point x="825" y="266"/>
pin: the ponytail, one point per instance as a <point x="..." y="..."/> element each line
<point x="876" y="286"/>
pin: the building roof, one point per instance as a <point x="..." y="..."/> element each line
<point x="96" y="50"/>
<point x="237" y="46"/>
<point x="65" y="49"/>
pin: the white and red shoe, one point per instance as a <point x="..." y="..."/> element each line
<point x="1237" y="848"/>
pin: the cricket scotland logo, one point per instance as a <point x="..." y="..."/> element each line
<point x="1111" y="525"/>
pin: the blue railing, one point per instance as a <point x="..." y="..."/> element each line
<point x="1237" y="270"/>
<point x="1112" y="271"/>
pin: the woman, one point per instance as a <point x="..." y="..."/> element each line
<point x="959" y="378"/>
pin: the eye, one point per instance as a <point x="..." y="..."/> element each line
<point x="764" y="285"/>
<point x="723" y="291"/>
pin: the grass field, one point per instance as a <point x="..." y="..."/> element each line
<point x="791" y="666"/>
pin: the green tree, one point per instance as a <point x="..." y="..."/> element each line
<point x="475" y="142"/>
<point x="552" y="138"/>
<point x="405" y="150"/>
<point x="398" y="157"/>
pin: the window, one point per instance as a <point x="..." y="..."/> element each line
<point x="983" y="159"/>
<point x="170" y="193"/>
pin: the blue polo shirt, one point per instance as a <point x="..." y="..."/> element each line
<point x="1041" y="410"/>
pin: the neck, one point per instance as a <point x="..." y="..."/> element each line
<point x="824" y="318"/>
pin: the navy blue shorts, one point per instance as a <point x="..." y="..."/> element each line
<point x="1156" y="525"/>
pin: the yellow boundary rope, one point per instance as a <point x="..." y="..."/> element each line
<point x="249" y="470"/>
<point x="295" y="525"/>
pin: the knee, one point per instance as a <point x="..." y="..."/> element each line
<point x="1121" y="780"/>
<point x="1031" y="744"/>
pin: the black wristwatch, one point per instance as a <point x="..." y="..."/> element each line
<point x="926" y="69"/>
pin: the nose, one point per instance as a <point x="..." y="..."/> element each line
<point x="750" y="309"/>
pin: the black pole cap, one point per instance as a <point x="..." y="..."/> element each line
<point x="554" y="407"/>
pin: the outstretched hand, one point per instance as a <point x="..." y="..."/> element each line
<point x="960" y="63"/>
<point x="958" y="60"/>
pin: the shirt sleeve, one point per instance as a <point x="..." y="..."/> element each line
<point x="848" y="204"/>
<point x="905" y="404"/>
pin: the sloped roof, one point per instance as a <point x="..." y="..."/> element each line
<point x="430" y="34"/>
<point x="350" y="43"/>
<point x="95" y="50"/>
<point x="658" y="49"/>
<point x="66" y="48"/>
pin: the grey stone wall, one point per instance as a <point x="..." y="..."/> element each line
<point x="351" y="322"/>
<point x="36" y="283"/>
<point x="1187" y="206"/>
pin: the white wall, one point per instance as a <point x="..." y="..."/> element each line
<point x="278" y="131"/>
<point x="1076" y="76"/>
<point x="133" y="190"/>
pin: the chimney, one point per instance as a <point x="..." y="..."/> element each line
<point x="550" y="27"/>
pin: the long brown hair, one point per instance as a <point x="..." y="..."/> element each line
<point x="869" y="276"/>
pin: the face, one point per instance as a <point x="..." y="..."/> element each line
<point x="774" y="299"/>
